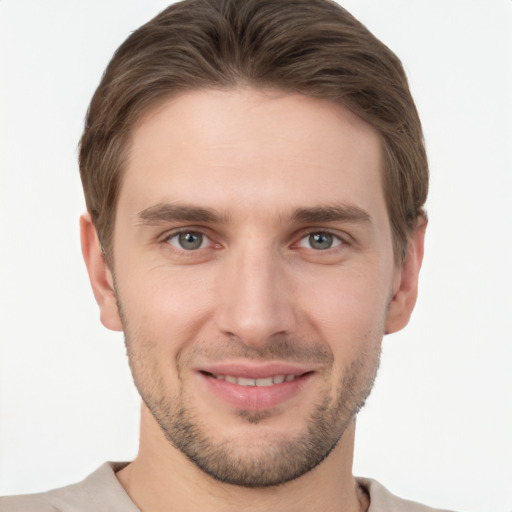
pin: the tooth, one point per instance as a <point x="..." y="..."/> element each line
<point x="264" y="382"/>
<point x="246" y="382"/>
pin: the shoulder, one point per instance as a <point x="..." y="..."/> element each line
<point x="99" y="492"/>
<point x="26" y="503"/>
<point x="381" y="500"/>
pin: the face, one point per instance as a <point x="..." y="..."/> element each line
<point x="254" y="277"/>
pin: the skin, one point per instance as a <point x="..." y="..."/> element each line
<point x="271" y="170"/>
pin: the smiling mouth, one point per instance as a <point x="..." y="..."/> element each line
<point x="260" y="382"/>
<point x="255" y="388"/>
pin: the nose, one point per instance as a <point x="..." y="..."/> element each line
<point x="255" y="300"/>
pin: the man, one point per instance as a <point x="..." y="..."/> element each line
<point x="255" y="176"/>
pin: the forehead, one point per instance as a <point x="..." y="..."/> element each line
<point x="244" y="148"/>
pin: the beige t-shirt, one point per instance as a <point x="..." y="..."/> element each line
<point x="102" y="492"/>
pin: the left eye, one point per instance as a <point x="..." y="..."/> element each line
<point x="189" y="240"/>
<point x="320" y="241"/>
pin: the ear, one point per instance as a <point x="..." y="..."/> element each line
<point x="405" y="289"/>
<point x="99" y="274"/>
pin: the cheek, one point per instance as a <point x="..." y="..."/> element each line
<point x="162" y="316"/>
<point x="165" y="306"/>
<point x="348" y="309"/>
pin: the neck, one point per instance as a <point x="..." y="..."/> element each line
<point x="161" y="475"/>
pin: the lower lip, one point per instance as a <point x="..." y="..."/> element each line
<point x="255" y="398"/>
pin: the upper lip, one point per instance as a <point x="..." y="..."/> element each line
<point x="253" y="370"/>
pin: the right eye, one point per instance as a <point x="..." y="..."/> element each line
<point x="189" y="240"/>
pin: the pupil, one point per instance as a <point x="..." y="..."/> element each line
<point x="190" y="240"/>
<point x="320" y="241"/>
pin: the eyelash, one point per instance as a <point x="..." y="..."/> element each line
<point x="338" y="241"/>
<point x="196" y="232"/>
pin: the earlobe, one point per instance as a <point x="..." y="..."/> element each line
<point x="405" y="290"/>
<point x="99" y="275"/>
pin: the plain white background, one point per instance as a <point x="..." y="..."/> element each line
<point x="437" y="426"/>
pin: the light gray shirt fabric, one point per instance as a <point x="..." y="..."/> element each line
<point x="102" y="492"/>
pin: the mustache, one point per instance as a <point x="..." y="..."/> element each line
<point x="281" y="348"/>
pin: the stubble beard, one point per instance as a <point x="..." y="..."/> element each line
<point x="279" y="459"/>
<point x="276" y="461"/>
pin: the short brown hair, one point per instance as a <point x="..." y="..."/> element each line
<point x="314" y="47"/>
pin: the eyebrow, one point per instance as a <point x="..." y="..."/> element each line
<point x="331" y="213"/>
<point x="172" y="212"/>
<point x="169" y="212"/>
